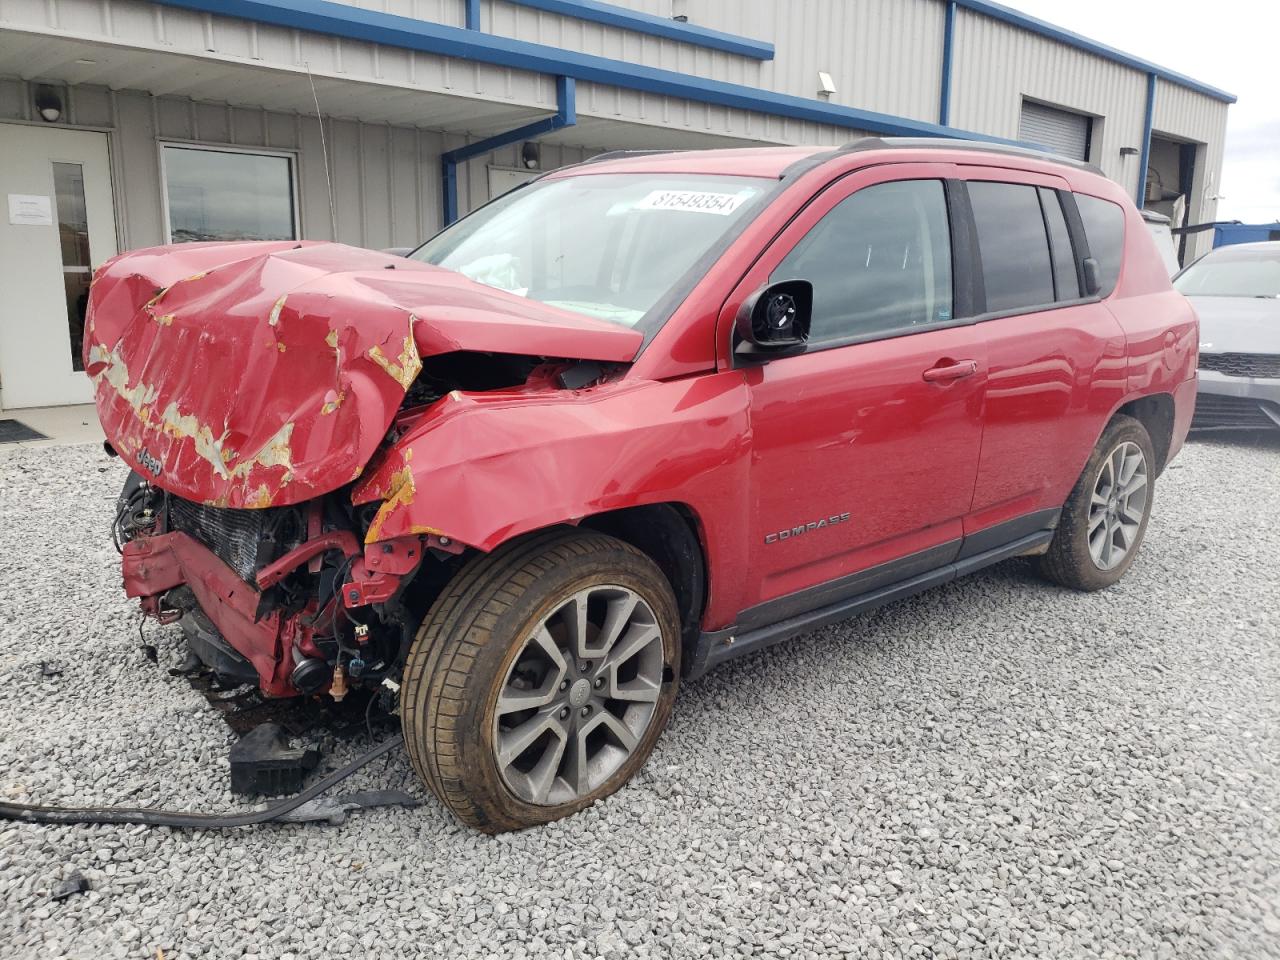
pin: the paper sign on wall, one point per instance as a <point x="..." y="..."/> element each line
<point x="30" y="210"/>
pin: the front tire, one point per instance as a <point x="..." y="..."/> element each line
<point x="1105" y="517"/>
<point x="541" y="679"/>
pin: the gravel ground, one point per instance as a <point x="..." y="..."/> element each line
<point x="996" y="768"/>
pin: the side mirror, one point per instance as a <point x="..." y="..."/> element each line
<point x="1092" y="279"/>
<point x="776" y="317"/>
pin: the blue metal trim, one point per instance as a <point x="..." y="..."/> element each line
<point x="948" y="50"/>
<point x="1033" y="25"/>
<point x="355" y="23"/>
<point x="1145" y="158"/>
<point x="612" y="15"/>
<point x="473" y="14"/>
<point x="565" y="116"/>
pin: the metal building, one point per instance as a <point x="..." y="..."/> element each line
<point x="126" y="123"/>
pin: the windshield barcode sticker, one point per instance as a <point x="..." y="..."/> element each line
<point x="697" y="201"/>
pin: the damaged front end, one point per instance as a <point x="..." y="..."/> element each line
<point x="249" y="387"/>
<point x="288" y="598"/>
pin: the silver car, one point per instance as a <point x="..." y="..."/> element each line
<point x="1236" y="292"/>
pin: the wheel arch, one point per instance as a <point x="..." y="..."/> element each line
<point x="669" y="534"/>
<point x="1156" y="413"/>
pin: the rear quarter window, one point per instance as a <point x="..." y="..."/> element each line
<point x="1104" y="229"/>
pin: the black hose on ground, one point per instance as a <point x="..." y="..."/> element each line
<point x="32" y="813"/>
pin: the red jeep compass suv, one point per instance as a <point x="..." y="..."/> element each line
<point x="649" y="413"/>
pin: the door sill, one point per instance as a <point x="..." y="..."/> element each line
<point x="719" y="646"/>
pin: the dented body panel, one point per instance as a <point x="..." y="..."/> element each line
<point x="481" y="469"/>
<point x="256" y="375"/>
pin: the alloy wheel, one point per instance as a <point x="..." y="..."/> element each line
<point x="1118" y="505"/>
<point x="579" y="696"/>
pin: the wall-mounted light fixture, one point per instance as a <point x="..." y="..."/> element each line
<point x="48" y="104"/>
<point x="531" y="155"/>
<point x="1128" y="151"/>
<point x="826" y="86"/>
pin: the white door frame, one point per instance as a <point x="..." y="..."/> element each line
<point x="33" y="320"/>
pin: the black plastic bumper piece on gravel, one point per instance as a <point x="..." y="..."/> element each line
<point x="263" y="763"/>
<point x="31" y="813"/>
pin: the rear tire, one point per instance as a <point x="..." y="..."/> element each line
<point x="1105" y="517"/>
<point x="541" y="679"/>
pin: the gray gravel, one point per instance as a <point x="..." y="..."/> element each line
<point x="996" y="768"/>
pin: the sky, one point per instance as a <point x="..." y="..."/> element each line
<point x="1233" y="45"/>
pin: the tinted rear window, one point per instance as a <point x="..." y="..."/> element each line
<point x="1104" y="228"/>
<point x="1016" y="269"/>
<point x="1065" y="280"/>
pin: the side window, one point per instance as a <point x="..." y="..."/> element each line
<point x="1104" y="227"/>
<point x="1016" y="269"/>
<point x="879" y="262"/>
<point x="1066" y="282"/>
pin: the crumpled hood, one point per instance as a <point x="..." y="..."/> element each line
<point x="264" y="374"/>
<point x="1238" y="324"/>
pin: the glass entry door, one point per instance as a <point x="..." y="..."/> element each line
<point x="57" y="224"/>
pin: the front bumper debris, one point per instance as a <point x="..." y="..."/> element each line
<point x="155" y="565"/>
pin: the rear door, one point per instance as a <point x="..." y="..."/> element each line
<point x="1056" y="356"/>
<point x="865" y="446"/>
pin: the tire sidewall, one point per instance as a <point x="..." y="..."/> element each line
<point x="1121" y="430"/>
<point x="620" y="566"/>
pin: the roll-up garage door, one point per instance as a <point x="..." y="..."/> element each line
<point x="1057" y="130"/>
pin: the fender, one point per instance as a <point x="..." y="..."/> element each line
<point x="482" y="468"/>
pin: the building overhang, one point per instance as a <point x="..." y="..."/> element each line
<point x="70" y="59"/>
<point x="471" y="110"/>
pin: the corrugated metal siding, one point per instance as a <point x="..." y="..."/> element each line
<point x="452" y="12"/>
<point x="386" y="178"/>
<point x="169" y="30"/>
<point x="884" y="55"/>
<point x="997" y="65"/>
<point x="716" y="125"/>
<point x="536" y="26"/>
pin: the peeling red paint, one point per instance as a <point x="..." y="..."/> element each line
<point x="175" y="343"/>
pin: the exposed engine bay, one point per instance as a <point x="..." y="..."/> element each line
<point x="300" y="420"/>
<point x="287" y="598"/>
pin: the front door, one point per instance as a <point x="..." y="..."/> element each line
<point x="57" y="224"/>
<point x="865" y="447"/>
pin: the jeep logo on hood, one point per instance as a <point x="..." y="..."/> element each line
<point x="149" y="462"/>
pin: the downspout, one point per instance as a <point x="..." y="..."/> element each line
<point x="473" y="15"/>
<point x="1145" y="158"/>
<point x="948" y="48"/>
<point x="566" y="116"/>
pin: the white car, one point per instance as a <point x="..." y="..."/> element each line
<point x="1236" y="292"/>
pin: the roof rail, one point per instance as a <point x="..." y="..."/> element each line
<point x="944" y="143"/>
<point x="620" y="154"/>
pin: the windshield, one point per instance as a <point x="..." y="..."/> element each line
<point x="1232" y="273"/>
<point x="610" y="246"/>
